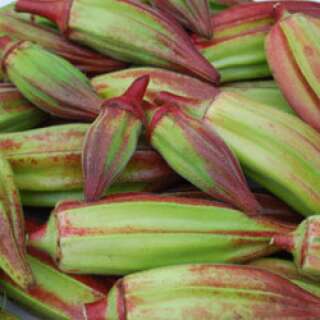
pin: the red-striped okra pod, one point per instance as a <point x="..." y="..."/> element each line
<point x="158" y="39"/>
<point x="133" y="232"/>
<point x="47" y="165"/>
<point x="85" y="59"/>
<point x="206" y="291"/>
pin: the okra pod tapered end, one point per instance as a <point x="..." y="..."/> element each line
<point x="112" y="139"/>
<point x="198" y="154"/>
<point x="163" y="42"/>
<point x="54" y="10"/>
<point x="86" y="60"/>
<point x="48" y="81"/>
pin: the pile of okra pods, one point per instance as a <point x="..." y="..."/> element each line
<point x="160" y="159"/>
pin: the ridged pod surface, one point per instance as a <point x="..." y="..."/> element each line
<point x="193" y="14"/>
<point x="112" y="139"/>
<point x="56" y="295"/>
<point x="49" y="160"/>
<point x="276" y="149"/>
<point x="141" y="231"/>
<point x="48" y="81"/>
<point x="102" y="25"/>
<point x="293" y="50"/>
<point x="16" y="113"/>
<point x="199" y="155"/>
<point x="206" y="291"/>
<point x="85" y="59"/>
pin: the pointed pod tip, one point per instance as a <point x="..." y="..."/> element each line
<point x="138" y="89"/>
<point x="56" y="11"/>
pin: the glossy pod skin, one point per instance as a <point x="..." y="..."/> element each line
<point x="206" y="291"/>
<point x="159" y="40"/>
<point x="16" y="113"/>
<point x="49" y="160"/>
<point x="142" y="231"/>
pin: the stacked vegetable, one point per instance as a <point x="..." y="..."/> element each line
<point x="179" y="144"/>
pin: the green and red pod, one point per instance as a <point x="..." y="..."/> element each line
<point x="141" y="231"/>
<point x="12" y="234"/>
<point x="112" y="139"/>
<point x="243" y="18"/>
<point x="48" y="81"/>
<point x="9" y="195"/>
<point x="198" y="92"/>
<point x="111" y="26"/>
<point x="198" y="154"/>
<point x="12" y="262"/>
<point x="295" y="41"/>
<point x="276" y="149"/>
<point x="237" y="48"/>
<point x="271" y="207"/>
<point x="48" y="160"/>
<point x="205" y="291"/>
<point x="55" y="295"/>
<point x="264" y="91"/>
<point x="192" y="14"/>
<point x="85" y="59"/>
<point x="16" y="113"/>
